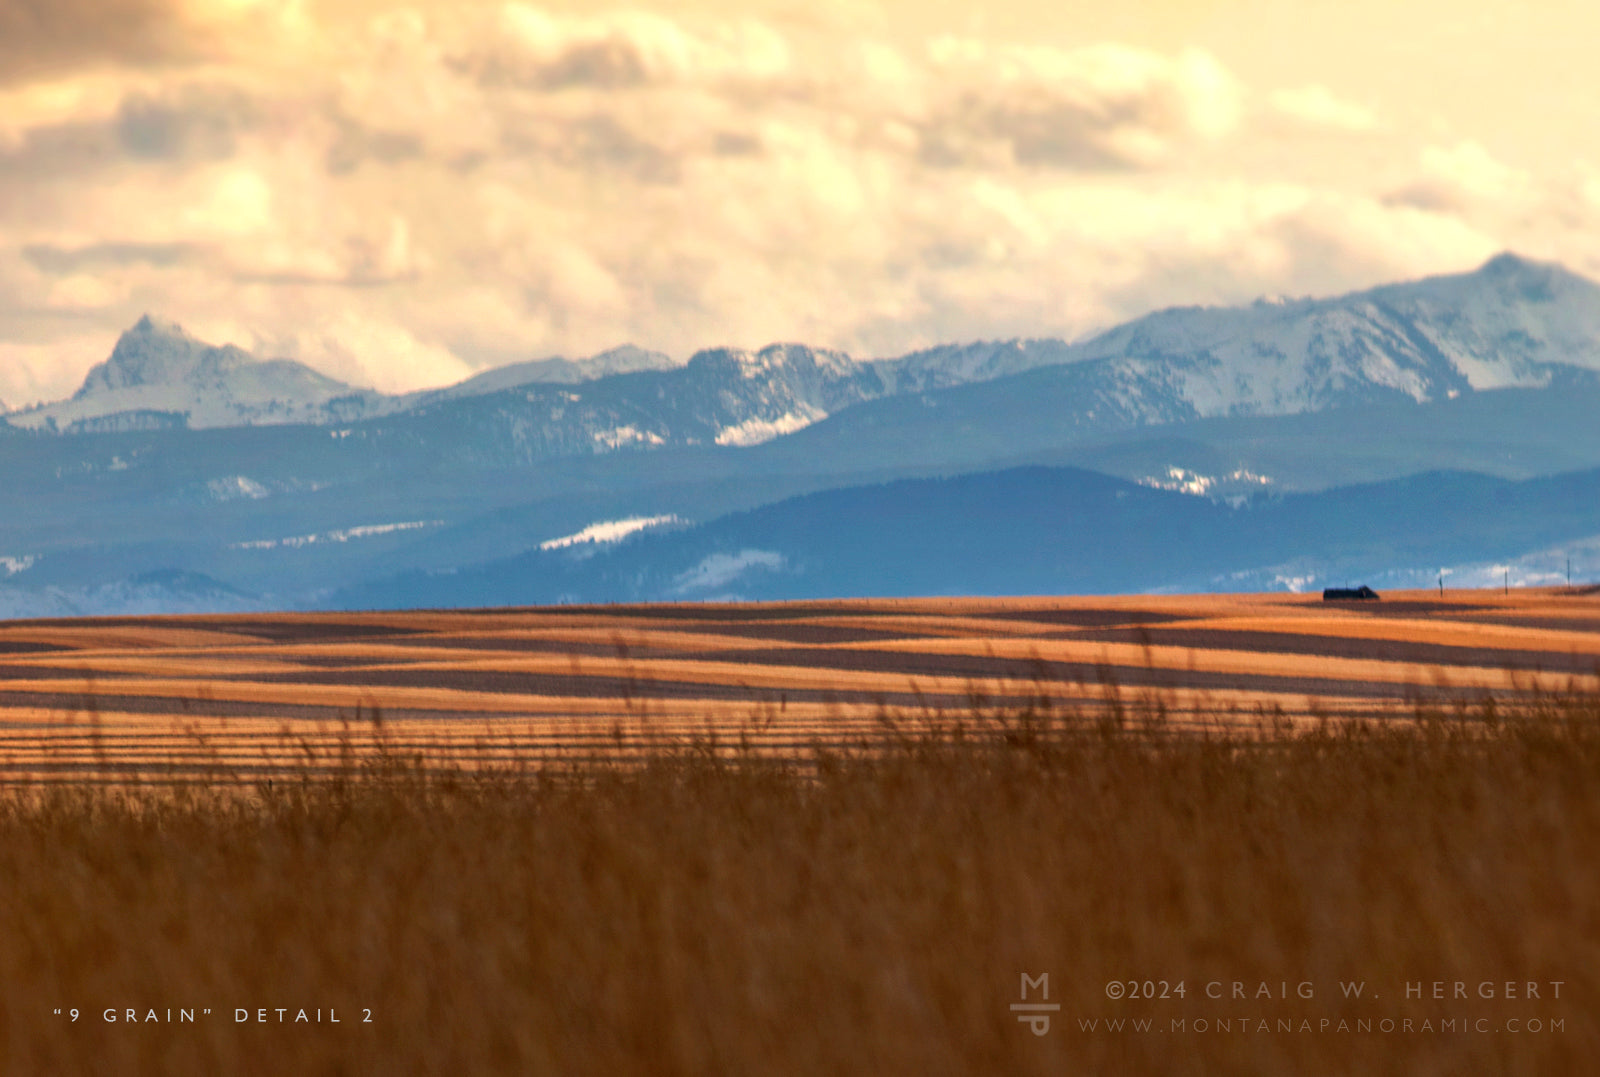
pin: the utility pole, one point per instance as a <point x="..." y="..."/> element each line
<point x="1508" y="581"/>
<point x="1569" y="573"/>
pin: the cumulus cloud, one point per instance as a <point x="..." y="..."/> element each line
<point x="1469" y="169"/>
<point x="356" y="144"/>
<point x="52" y="39"/>
<point x="1463" y="182"/>
<point x="67" y="260"/>
<point x="33" y="370"/>
<point x="197" y="123"/>
<point x="39" y="38"/>
<point x="402" y="194"/>
<point x="532" y="48"/>
<point x="368" y="352"/>
<point x="1321" y="107"/>
<point x="1104" y="106"/>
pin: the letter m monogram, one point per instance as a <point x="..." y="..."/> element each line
<point x="1041" y="982"/>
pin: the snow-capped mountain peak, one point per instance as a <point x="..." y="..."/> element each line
<point x="1513" y="322"/>
<point x="159" y="376"/>
<point x="157" y="353"/>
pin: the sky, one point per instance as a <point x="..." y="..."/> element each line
<point x="403" y="194"/>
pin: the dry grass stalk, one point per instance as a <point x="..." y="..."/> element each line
<point x="709" y="909"/>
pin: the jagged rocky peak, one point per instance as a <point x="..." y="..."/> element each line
<point x="150" y="325"/>
<point x="156" y="352"/>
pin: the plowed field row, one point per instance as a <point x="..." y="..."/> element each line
<point x="278" y="695"/>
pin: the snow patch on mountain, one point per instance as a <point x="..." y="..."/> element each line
<point x="718" y="570"/>
<point x="608" y="531"/>
<point x="235" y="487"/>
<point x="755" y="431"/>
<point x="619" y="437"/>
<point x="344" y="535"/>
<point x="1185" y="481"/>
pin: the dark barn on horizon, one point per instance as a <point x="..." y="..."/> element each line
<point x="1332" y="594"/>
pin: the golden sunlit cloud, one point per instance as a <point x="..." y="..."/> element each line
<point x="403" y="194"/>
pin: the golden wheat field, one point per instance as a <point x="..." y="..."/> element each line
<point x="1213" y="834"/>
<point x="173" y="698"/>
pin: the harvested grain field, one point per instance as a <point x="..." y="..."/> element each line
<point x="418" y="822"/>
<point x="248" y="697"/>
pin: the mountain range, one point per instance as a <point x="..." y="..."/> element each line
<point x="1512" y="324"/>
<point x="199" y="471"/>
<point x="1036" y="530"/>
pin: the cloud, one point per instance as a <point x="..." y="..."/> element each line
<point x="356" y="144"/>
<point x="366" y="351"/>
<point x="409" y="193"/>
<point x="33" y="371"/>
<point x="197" y="123"/>
<point x="65" y="260"/>
<point x="1105" y="106"/>
<point x="1472" y="170"/>
<point x="1465" y="179"/>
<point x="598" y="143"/>
<point x="530" y="48"/>
<point x="1318" y="106"/>
<point x="91" y="131"/>
<point x="42" y="38"/>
